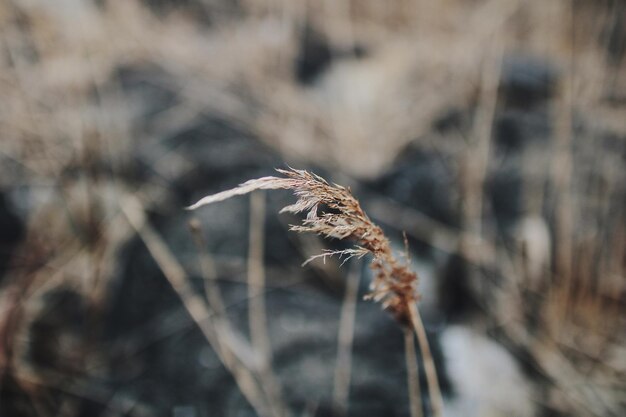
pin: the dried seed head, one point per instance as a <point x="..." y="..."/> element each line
<point x="332" y="211"/>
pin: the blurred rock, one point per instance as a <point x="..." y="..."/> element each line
<point x="526" y="82"/>
<point x="12" y="231"/>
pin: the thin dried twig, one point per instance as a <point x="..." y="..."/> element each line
<point x="346" y="336"/>
<point x="432" y="380"/>
<point x="412" y="371"/>
<point x="207" y="266"/>
<point x="256" y="277"/>
<point x="224" y="345"/>
<point x="256" y="304"/>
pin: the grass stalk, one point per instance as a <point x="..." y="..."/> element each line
<point x="343" y="368"/>
<point x="434" y="392"/>
<point x="257" y="315"/>
<point x="412" y="370"/>
<point x="196" y="306"/>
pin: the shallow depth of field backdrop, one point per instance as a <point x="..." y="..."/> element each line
<point x="492" y="132"/>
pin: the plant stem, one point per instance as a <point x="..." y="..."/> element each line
<point x="434" y="392"/>
<point x="346" y="337"/>
<point x="412" y="376"/>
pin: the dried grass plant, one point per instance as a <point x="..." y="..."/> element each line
<point x="68" y="111"/>
<point x="332" y="211"/>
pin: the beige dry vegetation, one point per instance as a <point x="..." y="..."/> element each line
<point x="63" y="109"/>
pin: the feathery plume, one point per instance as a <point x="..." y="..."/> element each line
<point x="332" y="211"/>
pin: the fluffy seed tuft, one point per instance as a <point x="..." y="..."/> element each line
<point x="332" y="211"/>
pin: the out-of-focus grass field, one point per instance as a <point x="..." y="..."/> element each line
<point x="492" y="132"/>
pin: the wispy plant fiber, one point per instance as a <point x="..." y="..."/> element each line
<point x="332" y="211"/>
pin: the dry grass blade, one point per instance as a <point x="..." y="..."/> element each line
<point x="432" y="380"/>
<point x="412" y="374"/>
<point x="332" y="211"/>
<point x="257" y="315"/>
<point x="343" y="367"/>
<point x="232" y="353"/>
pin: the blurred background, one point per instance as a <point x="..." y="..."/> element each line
<point x="492" y="132"/>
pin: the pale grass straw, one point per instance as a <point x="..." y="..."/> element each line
<point x="207" y="267"/>
<point x="412" y="374"/>
<point x="343" y="368"/>
<point x="260" y="344"/>
<point x="257" y="316"/>
<point x="233" y="352"/>
<point x="432" y="380"/>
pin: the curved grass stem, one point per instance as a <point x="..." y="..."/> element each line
<point x="412" y="374"/>
<point x="436" y="400"/>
